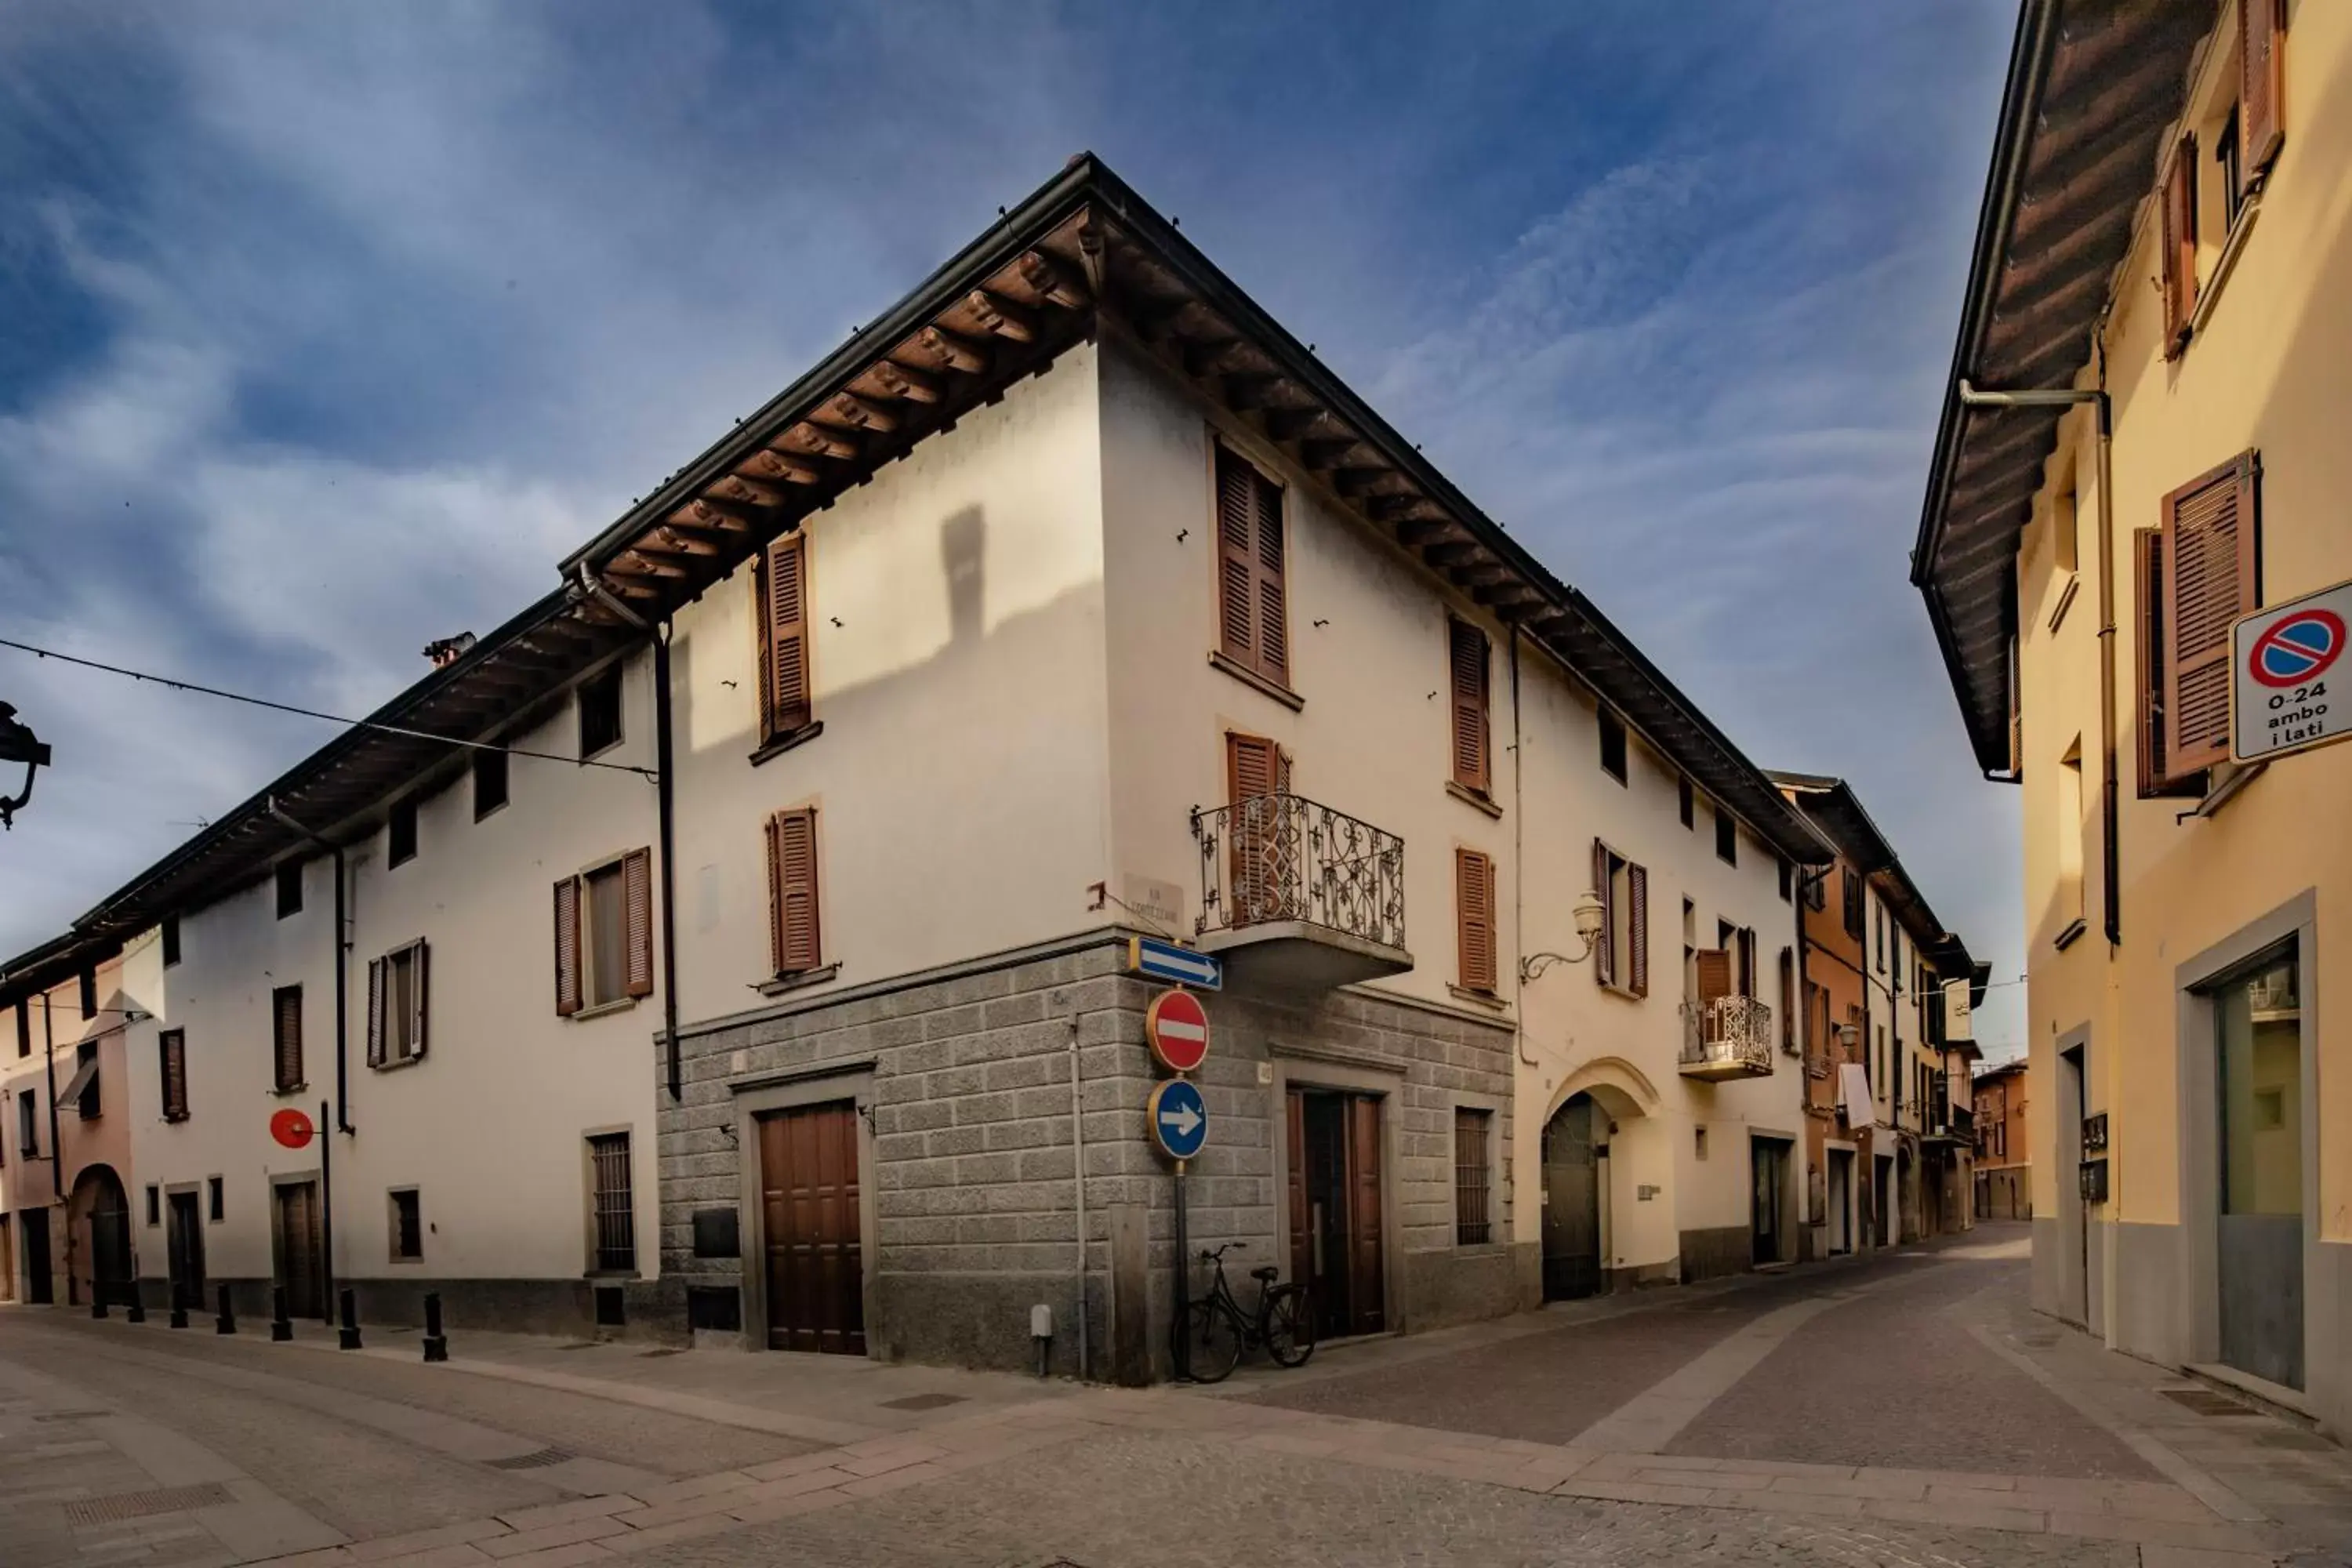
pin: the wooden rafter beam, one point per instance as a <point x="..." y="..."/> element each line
<point x="1357" y="481"/>
<point x="993" y="314"/>
<point x="708" y="512"/>
<point x="1053" y="282"/>
<point x="898" y="381"/>
<point x="1444" y="556"/>
<point x="858" y="414"/>
<point x="1293" y="424"/>
<point x="792" y="468"/>
<point x="1420" y="531"/>
<point x="956" y="352"/>
<point x="675" y="541"/>
<point x="1406" y="508"/>
<point x="747" y="490"/>
<point x="638" y="562"/>
<point x="1246" y="393"/>
<point x="823" y="440"/>
<point x="1319" y="455"/>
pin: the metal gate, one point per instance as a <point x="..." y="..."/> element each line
<point x="1572" y="1215"/>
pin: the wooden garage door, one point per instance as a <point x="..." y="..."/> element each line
<point x="808" y="1189"/>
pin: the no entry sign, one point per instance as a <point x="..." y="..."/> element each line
<point x="2283" y="660"/>
<point x="1178" y="1027"/>
<point x="292" y="1128"/>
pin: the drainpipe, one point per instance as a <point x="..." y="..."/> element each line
<point x="343" y="965"/>
<point x="665" y="810"/>
<point x="1079" y="1185"/>
<point x="1518" y="870"/>
<point x="2110" y="788"/>
<point x="49" y="1073"/>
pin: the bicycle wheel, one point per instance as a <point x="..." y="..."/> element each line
<point x="1290" y="1325"/>
<point x="1210" y="1336"/>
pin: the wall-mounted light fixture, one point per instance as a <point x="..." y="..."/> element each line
<point x="1592" y="916"/>
<point x="18" y="744"/>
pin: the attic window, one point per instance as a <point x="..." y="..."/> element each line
<point x="600" y="712"/>
<point x="1613" y="745"/>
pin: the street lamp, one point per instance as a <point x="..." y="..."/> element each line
<point x="1591" y="917"/>
<point x="18" y="744"/>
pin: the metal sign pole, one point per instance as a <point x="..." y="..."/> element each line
<point x="1183" y="1280"/>
<point x="327" y="1209"/>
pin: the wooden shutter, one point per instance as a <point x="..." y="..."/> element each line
<point x="1252" y="617"/>
<point x="1637" y="929"/>
<point x="174" y="1074"/>
<point x="287" y="1055"/>
<point x="2209" y="566"/>
<point x="1789" y="999"/>
<point x="1604" y="946"/>
<point x="792" y="891"/>
<point x="637" y="894"/>
<point x="2261" y="83"/>
<point x="2180" y="258"/>
<point x="1253" y="766"/>
<point x="1466" y="655"/>
<point x="784" y="682"/>
<point x="375" y="1013"/>
<point x="567" y="947"/>
<point x="418" y="1011"/>
<point x="1473" y="898"/>
<point x="1713" y="974"/>
<point x="2155" y="774"/>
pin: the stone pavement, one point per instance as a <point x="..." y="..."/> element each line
<point x="1906" y="1411"/>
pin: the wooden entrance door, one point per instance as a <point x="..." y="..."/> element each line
<point x="1768" y="1187"/>
<point x="812" y="1229"/>
<point x="1336" y="1213"/>
<point x="40" y="1287"/>
<point x="1572" y="1206"/>
<point x="305" y="1271"/>
<point x="185" y="1241"/>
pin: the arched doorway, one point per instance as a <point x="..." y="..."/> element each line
<point x="1575" y="1152"/>
<point x="100" y="1211"/>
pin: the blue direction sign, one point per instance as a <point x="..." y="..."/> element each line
<point x="1179" y="1118"/>
<point x="1166" y="961"/>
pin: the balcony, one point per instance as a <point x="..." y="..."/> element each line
<point x="1951" y="1124"/>
<point x="1297" y="897"/>
<point x="1727" y="1038"/>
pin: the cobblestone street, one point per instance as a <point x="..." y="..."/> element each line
<point x="1907" y="1409"/>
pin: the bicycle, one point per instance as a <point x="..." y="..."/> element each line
<point x="1215" y="1330"/>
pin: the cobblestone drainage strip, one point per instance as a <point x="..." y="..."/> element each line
<point x="138" y="1505"/>
<point x="933" y="1402"/>
<point x="536" y="1459"/>
<point x="71" y="1415"/>
<point x="2205" y="1401"/>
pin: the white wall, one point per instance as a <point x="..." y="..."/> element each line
<point x="956" y="660"/>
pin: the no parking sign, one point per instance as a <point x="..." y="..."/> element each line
<point x="2283" y="661"/>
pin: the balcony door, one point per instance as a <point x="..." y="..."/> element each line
<point x="1336" y="1221"/>
<point x="1262" y="877"/>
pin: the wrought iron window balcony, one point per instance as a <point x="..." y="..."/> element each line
<point x="1730" y="1036"/>
<point x="1298" y="895"/>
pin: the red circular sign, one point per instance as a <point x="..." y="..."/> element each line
<point x="2298" y="648"/>
<point x="292" y="1128"/>
<point x="1178" y="1027"/>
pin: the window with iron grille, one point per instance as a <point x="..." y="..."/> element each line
<point x="615" y="1205"/>
<point x="1472" y="1225"/>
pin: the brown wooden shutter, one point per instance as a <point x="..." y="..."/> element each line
<point x="287" y="1055"/>
<point x="1789" y="999"/>
<point x="567" y="947"/>
<point x="784" y="682"/>
<point x="2261" y="84"/>
<point x="1604" y="946"/>
<point x="1713" y="974"/>
<point x="637" y="893"/>
<point x="792" y="890"/>
<point x="1273" y="593"/>
<point x="419" y="1012"/>
<point x="2156" y="777"/>
<point x="375" y="1013"/>
<point x="1252" y="764"/>
<point x="1637" y="929"/>
<point x="1473" y="898"/>
<point x="1236" y="559"/>
<point x="2179" y="238"/>
<point x="1466" y="655"/>
<point x="2209" y="565"/>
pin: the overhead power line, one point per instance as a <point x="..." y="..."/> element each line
<point x="313" y="713"/>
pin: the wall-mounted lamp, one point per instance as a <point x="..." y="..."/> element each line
<point x="1592" y="916"/>
<point x="1848" y="1036"/>
<point x="18" y="744"/>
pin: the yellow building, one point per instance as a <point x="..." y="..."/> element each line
<point x="2147" y="434"/>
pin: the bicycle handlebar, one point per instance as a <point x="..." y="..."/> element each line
<point x="1229" y="1247"/>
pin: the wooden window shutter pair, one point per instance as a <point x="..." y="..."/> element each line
<point x="2209" y="562"/>
<point x="793" y="936"/>
<point x="1474" y="900"/>
<point x="783" y="619"/>
<point x="2261" y="84"/>
<point x="637" y="906"/>
<point x="2179" y="206"/>
<point x="287" y="1041"/>
<point x="381" y="1002"/>
<point x="1466" y="656"/>
<point x="1252" y="617"/>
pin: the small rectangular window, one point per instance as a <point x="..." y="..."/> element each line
<point x="407" y="1227"/>
<point x="396" y="1006"/>
<point x="89" y="1105"/>
<point x="1686" y="802"/>
<point x="400" y="833"/>
<point x="289" y="888"/>
<point x="1252" y="619"/>
<point x="213" y="1199"/>
<point x="89" y="979"/>
<point x="171" y="1046"/>
<point x="608" y="936"/>
<point x="1727" y="838"/>
<point x="2225" y="153"/>
<point x="600" y="711"/>
<point x="490" y="782"/>
<point x="171" y="941"/>
<point x="1788" y="881"/>
<point x="1613" y="745"/>
<point x="24" y="1028"/>
<point x="286" y="1029"/>
<point x="155" y="1204"/>
<point x="1473" y="1223"/>
<point x="1850" y="880"/>
<point x="614" y="1202"/>
<point x="28" y="1125"/>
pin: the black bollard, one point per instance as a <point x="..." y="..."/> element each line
<point x="349" y="1338"/>
<point x="97" y="1299"/>
<point x="281" y="1327"/>
<point x="437" y="1343"/>
<point x="227" y="1322"/>
<point x="179" y="1305"/>
<point x="136" y="1310"/>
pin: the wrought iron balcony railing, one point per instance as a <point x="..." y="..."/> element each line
<point x="1729" y="1036"/>
<point x="1283" y="858"/>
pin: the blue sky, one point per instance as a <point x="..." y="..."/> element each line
<point x="326" y="329"/>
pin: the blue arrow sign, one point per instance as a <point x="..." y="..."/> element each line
<point x="1179" y="1118"/>
<point x="1166" y="961"/>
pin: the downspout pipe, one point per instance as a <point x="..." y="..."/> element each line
<point x="665" y="812"/>
<point x="343" y="967"/>
<point x="1519" y="869"/>
<point x="50" y="1074"/>
<point x="2110" y="786"/>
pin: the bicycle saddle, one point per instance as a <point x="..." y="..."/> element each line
<point x="1266" y="1274"/>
